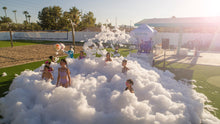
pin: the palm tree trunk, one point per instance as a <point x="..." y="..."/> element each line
<point x="26" y="18"/>
<point x="16" y="18"/>
<point x="5" y="14"/>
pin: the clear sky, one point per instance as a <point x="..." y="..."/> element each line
<point x="125" y="11"/>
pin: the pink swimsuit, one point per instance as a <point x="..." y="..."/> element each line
<point x="63" y="77"/>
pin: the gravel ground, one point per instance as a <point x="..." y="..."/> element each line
<point x="30" y="53"/>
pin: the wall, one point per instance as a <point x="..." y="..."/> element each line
<point x="205" y="38"/>
<point x="51" y="36"/>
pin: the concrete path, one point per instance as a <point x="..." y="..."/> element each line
<point x="203" y="58"/>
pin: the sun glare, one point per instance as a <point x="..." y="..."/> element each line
<point x="212" y="7"/>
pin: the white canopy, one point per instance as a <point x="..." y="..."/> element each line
<point x="142" y="33"/>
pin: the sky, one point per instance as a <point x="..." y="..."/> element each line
<point x="124" y="12"/>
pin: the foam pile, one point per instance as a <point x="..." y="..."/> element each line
<point x="97" y="96"/>
<point x="113" y="36"/>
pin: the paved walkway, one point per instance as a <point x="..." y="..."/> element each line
<point x="203" y="58"/>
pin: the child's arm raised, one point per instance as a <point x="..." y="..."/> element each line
<point x="58" y="78"/>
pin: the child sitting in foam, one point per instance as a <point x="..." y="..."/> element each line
<point x="47" y="63"/>
<point x="129" y="84"/>
<point x="125" y="68"/>
<point x="47" y="74"/>
<point x="108" y="57"/>
<point x="81" y="55"/>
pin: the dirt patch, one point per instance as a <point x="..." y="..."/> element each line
<point x="29" y="53"/>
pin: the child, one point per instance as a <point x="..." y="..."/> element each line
<point x="129" y="84"/>
<point x="48" y="64"/>
<point x="125" y="68"/>
<point x="63" y="74"/>
<point x="116" y="50"/>
<point x="52" y="58"/>
<point x="46" y="74"/>
<point x="81" y="55"/>
<point x="70" y="52"/>
<point x="108" y="57"/>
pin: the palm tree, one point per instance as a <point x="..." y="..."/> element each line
<point x="74" y="15"/>
<point x="14" y="11"/>
<point x="29" y="18"/>
<point x="5" y="8"/>
<point x="26" y="13"/>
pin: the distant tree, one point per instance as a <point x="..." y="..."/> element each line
<point x="50" y="17"/>
<point x="5" y="8"/>
<point x="5" y="20"/>
<point x="35" y="26"/>
<point x="4" y="27"/>
<point x="87" y="20"/>
<point x="26" y="14"/>
<point x="29" y="18"/>
<point x="25" y="22"/>
<point x="14" y="11"/>
<point x="98" y="25"/>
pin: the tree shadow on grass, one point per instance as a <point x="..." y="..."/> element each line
<point x="4" y="86"/>
<point x="180" y="73"/>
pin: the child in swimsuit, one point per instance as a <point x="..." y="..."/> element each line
<point x="108" y="57"/>
<point x="48" y="64"/>
<point x="46" y="73"/>
<point x="129" y="84"/>
<point x="81" y="56"/>
<point x="116" y="50"/>
<point x="63" y="78"/>
<point x="125" y="68"/>
<point x="52" y="58"/>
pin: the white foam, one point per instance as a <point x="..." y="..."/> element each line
<point x="4" y="74"/>
<point x="97" y="96"/>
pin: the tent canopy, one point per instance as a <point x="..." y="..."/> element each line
<point x="142" y="33"/>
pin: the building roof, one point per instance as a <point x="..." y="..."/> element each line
<point x="181" y="22"/>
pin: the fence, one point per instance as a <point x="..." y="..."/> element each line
<point x="50" y="36"/>
<point x="204" y="38"/>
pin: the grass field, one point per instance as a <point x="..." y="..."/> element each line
<point x="204" y="79"/>
<point x="124" y="52"/>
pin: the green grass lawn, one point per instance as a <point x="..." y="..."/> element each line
<point x="204" y="79"/>
<point x="25" y="42"/>
<point x="123" y="51"/>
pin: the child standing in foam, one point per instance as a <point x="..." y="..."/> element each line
<point x="108" y="57"/>
<point x="125" y="68"/>
<point x="63" y="78"/>
<point x="129" y="84"/>
<point x="46" y="73"/>
<point x="81" y="55"/>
